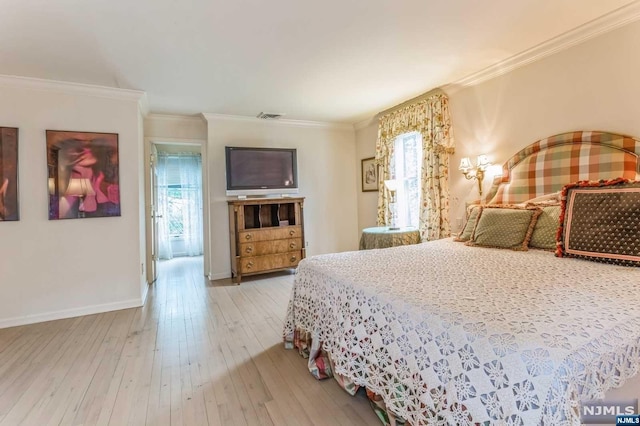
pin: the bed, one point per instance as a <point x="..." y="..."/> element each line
<point x="447" y="333"/>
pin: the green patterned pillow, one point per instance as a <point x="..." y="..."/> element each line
<point x="505" y="226"/>
<point x="544" y="233"/>
<point x="472" y="219"/>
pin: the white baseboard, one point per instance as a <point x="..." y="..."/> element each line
<point x="146" y="292"/>
<point x="219" y="276"/>
<point x="70" y="313"/>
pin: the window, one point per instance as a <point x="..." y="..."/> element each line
<point x="180" y="187"/>
<point x="407" y="167"/>
<point x="178" y="199"/>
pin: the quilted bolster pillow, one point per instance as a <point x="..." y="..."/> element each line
<point x="601" y="221"/>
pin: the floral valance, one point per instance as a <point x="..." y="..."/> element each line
<point x="429" y="116"/>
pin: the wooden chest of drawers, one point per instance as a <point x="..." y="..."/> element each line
<point x="266" y="235"/>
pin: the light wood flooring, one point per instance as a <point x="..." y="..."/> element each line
<point x="198" y="353"/>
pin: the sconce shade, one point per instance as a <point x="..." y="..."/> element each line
<point x="483" y="161"/>
<point x="391" y="184"/>
<point x="79" y="187"/>
<point x="465" y="164"/>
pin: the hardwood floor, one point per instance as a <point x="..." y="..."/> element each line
<point x="196" y="354"/>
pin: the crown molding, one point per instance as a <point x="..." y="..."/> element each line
<point x="606" y="23"/>
<point x="143" y="105"/>
<point x="175" y="117"/>
<point x="279" y="122"/>
<point x="68" y="87"/>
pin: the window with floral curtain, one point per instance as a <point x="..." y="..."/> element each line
<point x="407" y="165"/>
<point x="429" y="117"/>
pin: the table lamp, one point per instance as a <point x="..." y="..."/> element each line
<point x="80" y="187"/>
<point x="392" y="187"/>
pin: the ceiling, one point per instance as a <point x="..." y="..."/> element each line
<point x="330" y="60"/>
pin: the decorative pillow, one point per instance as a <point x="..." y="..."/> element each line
<point x="546" y="229"/>
<point x="601" y="221"/>
<point x="505" y="226"/>
<point x="473" y="212"/>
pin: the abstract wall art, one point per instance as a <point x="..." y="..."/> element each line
<point x="9" y="210"/>
<point x="83" y="175"/>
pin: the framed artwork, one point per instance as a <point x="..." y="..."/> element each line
<point x="369" y="175"/>
<point x="83" y="175"/>
<point x="9" y="210"/>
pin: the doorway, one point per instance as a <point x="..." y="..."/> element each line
<point x="177" y="227"/>
<point x="179" y="201"/>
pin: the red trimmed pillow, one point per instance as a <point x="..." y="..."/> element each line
<point x="600" y="221"/>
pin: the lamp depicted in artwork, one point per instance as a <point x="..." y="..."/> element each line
<point x="477" y="172"/>
<point x="392" y="187"/>
<point x="52" y="186"/>
<point x="80" y="187"/>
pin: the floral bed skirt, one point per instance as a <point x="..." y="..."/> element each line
<point x="321" y="367"/>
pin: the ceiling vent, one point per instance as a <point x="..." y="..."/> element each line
<point x="269" y="115"/>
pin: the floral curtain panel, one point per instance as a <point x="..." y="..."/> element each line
<point x="431" y="118"/>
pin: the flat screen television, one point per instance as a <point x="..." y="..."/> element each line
<point x="261" y="171"/>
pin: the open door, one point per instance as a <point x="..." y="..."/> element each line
<point x="161" y="193"/>
<point x="153" y="179"/>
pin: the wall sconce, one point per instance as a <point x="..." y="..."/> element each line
<point x="80" y="187"/>
<point x="392" y="187"/>
<point x="477" y="172"/>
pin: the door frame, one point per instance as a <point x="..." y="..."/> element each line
<point x="206" y="240"/>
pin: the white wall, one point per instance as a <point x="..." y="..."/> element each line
<point x="55" y="269"/>
<point x="590" y="86"/>
<point x="367" y="201"/>
<point x="326" y="174"/>
<point x="171" y="127"/>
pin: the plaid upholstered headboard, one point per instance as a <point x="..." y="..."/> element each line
<point x="547" y="165"/>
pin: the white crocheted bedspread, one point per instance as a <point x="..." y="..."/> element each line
<point x="451" y="334"/>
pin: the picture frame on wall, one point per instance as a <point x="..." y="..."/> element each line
<point x="369" y="175"/>
<point x="83" y="174"/>
<point x="9" y="208"/>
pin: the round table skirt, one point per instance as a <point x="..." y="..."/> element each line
<point x="382" y="237"/>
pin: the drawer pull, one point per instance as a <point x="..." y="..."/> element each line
<point x="292" y="245"/>
<point x="250" y="265"/>
<point x="293" y="231"/>
<point x="293" y="259"/>
<point x="249" y="249"/>
<point x="247" y="237"/>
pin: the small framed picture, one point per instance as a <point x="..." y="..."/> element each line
<point x="369" y="175"/>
